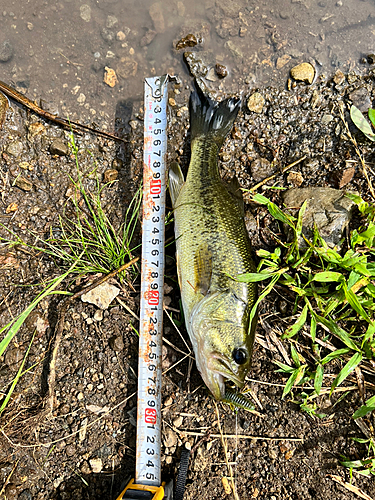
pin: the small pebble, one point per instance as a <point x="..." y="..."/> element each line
<point x="59" y="147"/>
<point x="6" y="51"/>
<point x="169" y="438"/>
<point x="261" y="168"/>
<point x="221" y="70"/>
<point x="111" y="21"/>
<point x="107" y="35"/>
<point x="96" y="465"/>
<point x="177" y="422"/>
<point x="14" y="148"/>
<point x="339" y="77"/>
<point x="295" y="178"/>
<point x="85" y="13"/>
<point x="101" y="296"/>
<point x="98" y="316"/>
<point x="110" y="175"/>
<point x="23" y="183"/>
<point x="303" y="72"/>
<point x="156" y="14"/>
<point x="70" y="450"/>
<point x="188" y="41"/>
<point x="282" y="61"/>
<point x="256" y="102"/>
<point x="120" y="35"/>
<point x="116" y="343"/>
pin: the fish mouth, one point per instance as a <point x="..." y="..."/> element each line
<point x="215" y="370"/>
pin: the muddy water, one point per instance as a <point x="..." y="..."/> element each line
<point x="58" y="51"/>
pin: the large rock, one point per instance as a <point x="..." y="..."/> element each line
<point x="328" y="209"/>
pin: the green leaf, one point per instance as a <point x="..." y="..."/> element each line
<point x="318" y="378"/>
<point x="337" y="331"/>
<point x="296" y="375"/>
<point x="253" y="277"/>
<point x="354" y="302"/>
<point x="363" y="410"/>
<point x="371" y="115"/>
<point x="265" y="292"/>
<point x="327" y="276"/>
<point x="283" y="367"/>
<point x="360" y="122"/>
<point x="334" y="355"/>
<point x="353" y="362"/>
<point x="274" y="210"/>
<point x="295" y="357"/>
<point x="294" y="329"/>
<point x="313" y="328"/>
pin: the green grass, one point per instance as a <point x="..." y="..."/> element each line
<point x="334" y="297"/>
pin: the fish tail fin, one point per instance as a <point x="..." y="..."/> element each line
<point x="209" y="117"/>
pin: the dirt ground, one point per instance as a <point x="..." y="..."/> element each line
<point x="85" y="447"/>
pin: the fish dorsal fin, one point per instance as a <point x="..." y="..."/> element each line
<point x="176" y="181"/>
<point x="203" y="269"/>
<point x="234" y="189"/>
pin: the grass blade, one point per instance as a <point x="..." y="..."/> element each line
<point x="291" y="331"/>
<point x="348" y="368"/>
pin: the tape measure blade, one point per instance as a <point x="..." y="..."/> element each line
<point x="148" y="459"/>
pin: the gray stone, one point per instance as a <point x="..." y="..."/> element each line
<point x="117" y="343"/>
<point x="85" y="12"/>
<point x="59" y="147"/>
<point x="261" y="168"/>
<point x="108" y="35"/>
<point x="328" y="209"/>
<point x="361" y="99"/>
<point x="156" y="14"/>
<point x="326" y="119"/>
<point x="14" y="148"/>
<point x="235" y="50"/>
<point x="111" y="21"/>
<point x="6" y="51"/>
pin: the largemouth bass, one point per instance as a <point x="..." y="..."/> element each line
<point x="212" y="243"/>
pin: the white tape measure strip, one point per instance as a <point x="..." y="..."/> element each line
<point x="148" y="459"/>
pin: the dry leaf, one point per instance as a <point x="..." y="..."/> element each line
<point x="110" y="77"/>
<point x="347" y="176"/>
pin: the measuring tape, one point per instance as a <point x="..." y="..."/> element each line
<point x="148" y="459"/>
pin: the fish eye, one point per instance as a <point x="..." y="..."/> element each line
<point x="239" y="355"/>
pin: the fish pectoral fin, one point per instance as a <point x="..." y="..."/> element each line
<point x="176" y="181"/>
<point x="203" y="269"/>
<point x="234" y="189"/>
